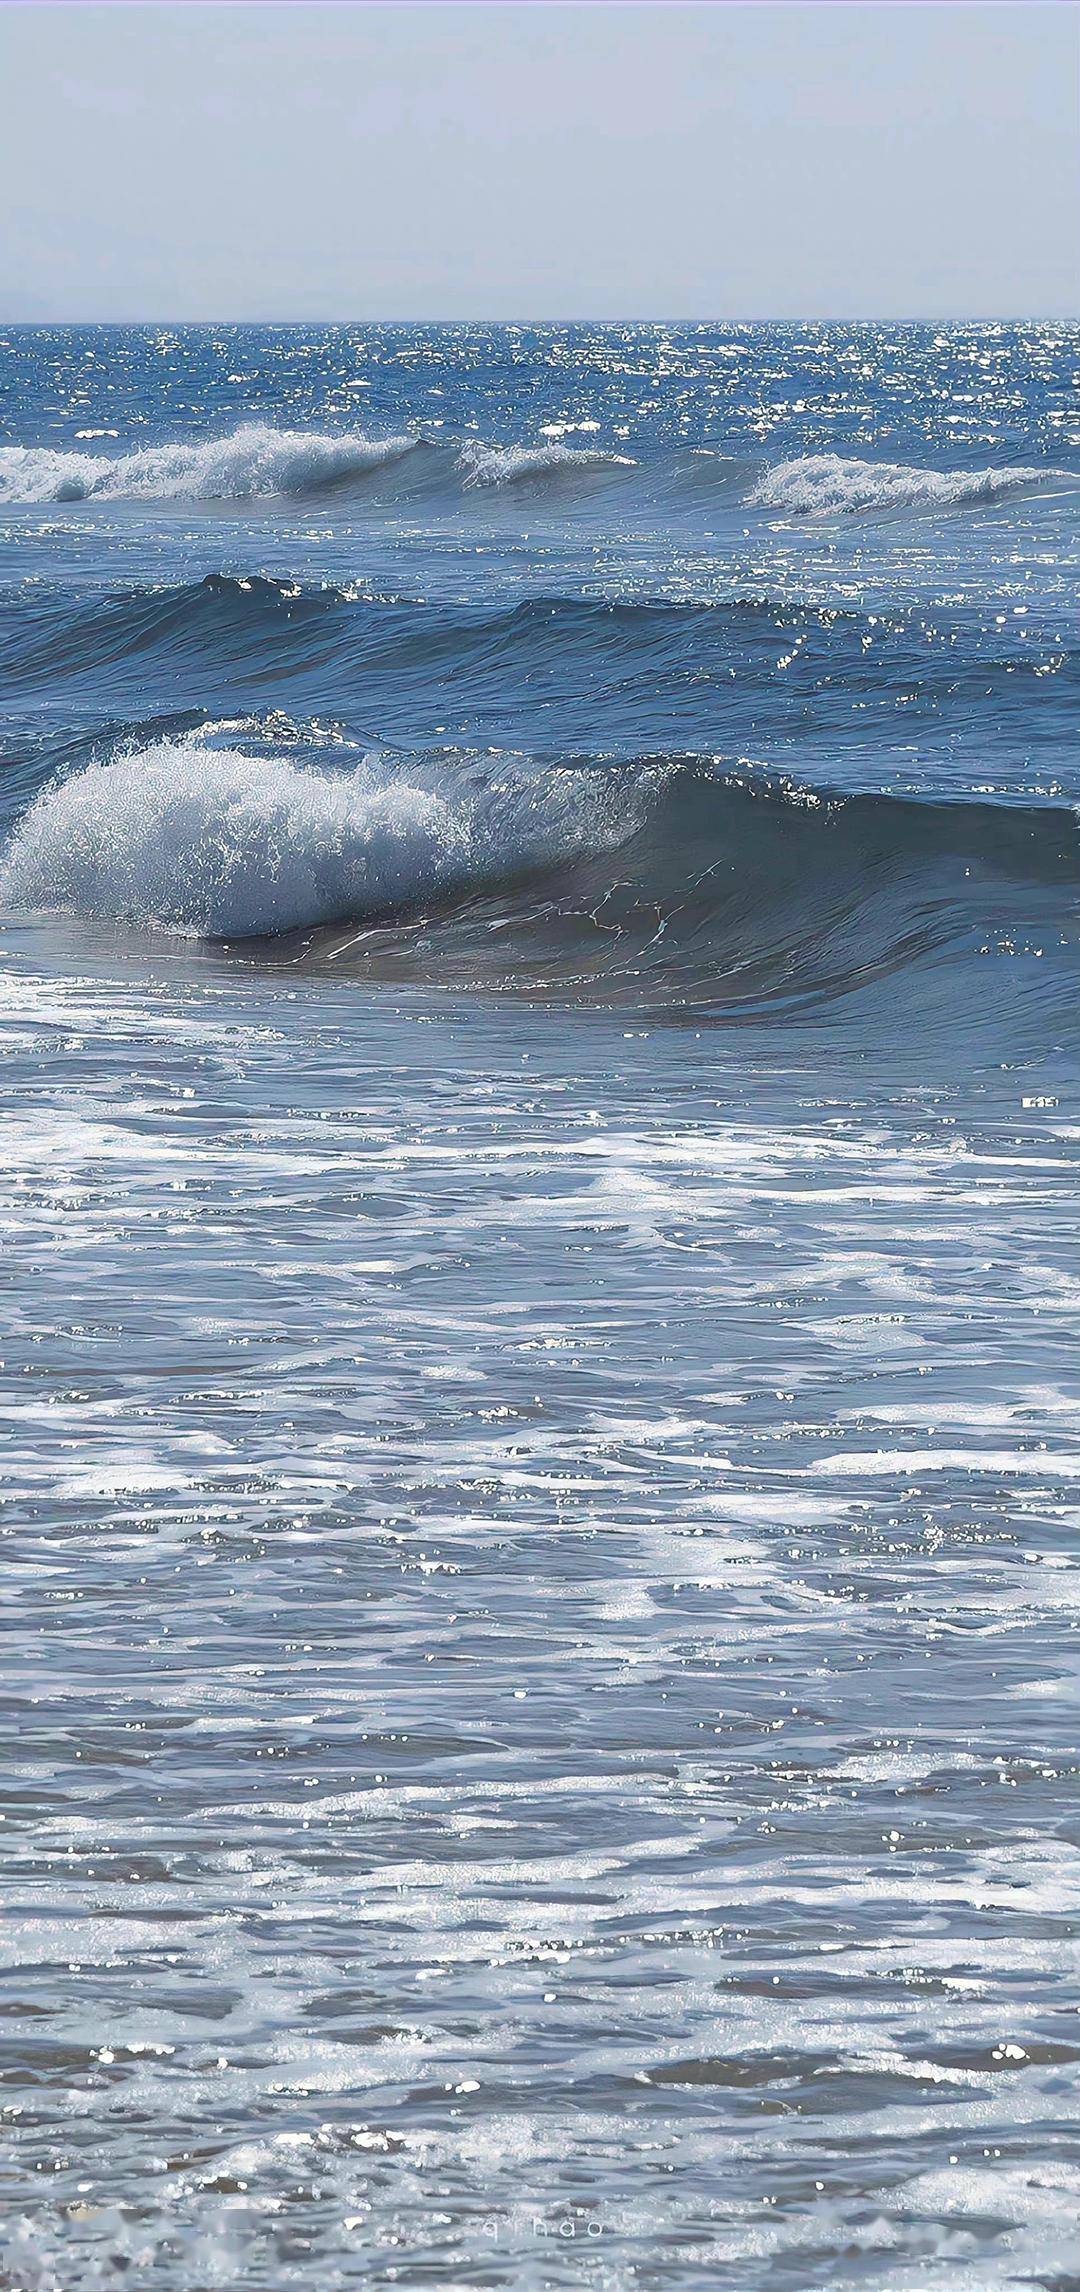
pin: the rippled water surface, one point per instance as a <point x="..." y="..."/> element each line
<point x="541" y="1443"/>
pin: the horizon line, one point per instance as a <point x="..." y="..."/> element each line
<point x="803" y="318"/>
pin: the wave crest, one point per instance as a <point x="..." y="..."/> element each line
<point x="521" y="465"/>
<point x="255" y="460"/>
<point x="220" y="844"/>
<point x="823" y="484"/>
<point x="258" y="461"/>
<point x="672" y="886"/>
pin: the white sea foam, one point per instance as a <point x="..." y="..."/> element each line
<point x="254" y="460"/>
<point x="214" y="842"/>
<point x="823" y="484"/>
<point x="217" y="843"/>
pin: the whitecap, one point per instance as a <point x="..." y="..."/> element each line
<point x="219" y="843"/>
<point x="824" y="484"/>
<point x="253" y="461"/>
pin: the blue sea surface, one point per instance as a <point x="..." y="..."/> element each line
<point x="541" y="1429"/>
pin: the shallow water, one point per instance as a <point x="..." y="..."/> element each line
<point x="541" y="1444"/>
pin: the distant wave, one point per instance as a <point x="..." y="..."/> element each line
<point x="823" y="484"/>
<point x="520" y="465"/>
<point x="259" y="462"/>
<point x="253" y="461"/>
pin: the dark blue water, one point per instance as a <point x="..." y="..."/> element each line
<point x="540" y="1427"/>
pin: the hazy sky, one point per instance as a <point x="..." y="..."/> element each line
<point x="540" y="160"/>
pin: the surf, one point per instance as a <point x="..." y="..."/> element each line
<point x="822" y="485"/>
<point x="222" y="843"/>
<point x="255" y="461"/>
<point x="672" y="884"/>
<point x="260" y="462"/>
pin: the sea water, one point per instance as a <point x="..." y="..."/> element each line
<point x="541" y="1443"/>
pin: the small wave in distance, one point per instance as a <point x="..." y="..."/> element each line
<point x="823" y="484"/>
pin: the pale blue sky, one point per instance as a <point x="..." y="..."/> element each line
<point x="540" y="160"/>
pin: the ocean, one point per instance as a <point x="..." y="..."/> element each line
<point x="541" y="1429"/>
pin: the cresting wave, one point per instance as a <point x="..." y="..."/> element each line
<point x="672" y="884"/>
<point x="218" y="843"/>
<point x="516" y="465"/>
<point x="824" y="484"/>
<point x="269" y="622"/>
<point x="257" y="462"/>
<point x="254" y="461"/>
<point x="260" y="462"/>
<point x="224" y="613"/>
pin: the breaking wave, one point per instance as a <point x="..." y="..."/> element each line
<point x="257" y="462"/>
<point x="823" y="484"/>
<point x="260" y="462"/>
<point x="520" y="465"/>
<point x="218" y="843"/>
<point x="670" y="885"/>
<point x="254" y="461"/>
